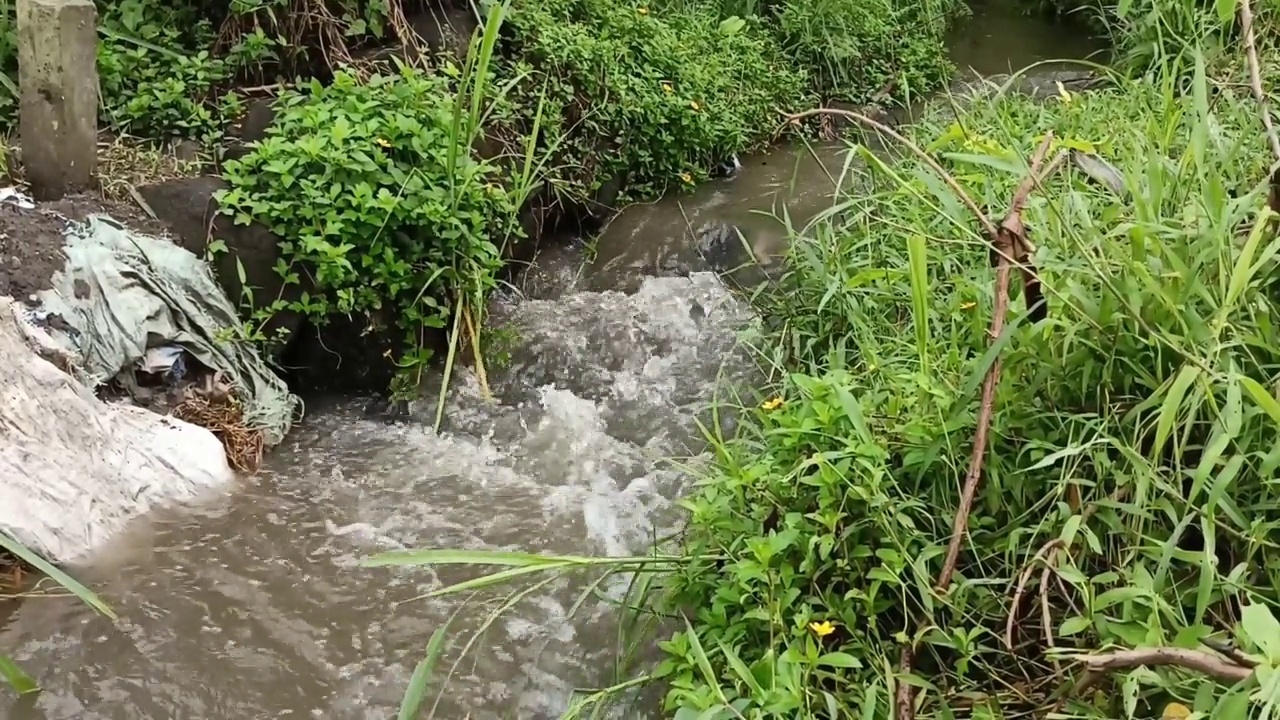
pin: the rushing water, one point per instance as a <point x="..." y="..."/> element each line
<point x="254" y="604"/>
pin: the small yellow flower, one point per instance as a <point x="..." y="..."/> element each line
<point x="666" y="88"/>
<point x="383" y="142"/>
<point x="643" y="10"/>
<point x="822" y="629"/>
<point x="968" y="305"/>
<point x="694" y="104"/>
<point x="686" y="177"/>
<point x="1175" y="711"/>
<point x="771" y="404"/>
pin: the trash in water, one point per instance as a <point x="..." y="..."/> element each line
<point x="165" y="360"/>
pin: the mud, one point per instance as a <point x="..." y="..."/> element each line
<point x="31" y="240"/>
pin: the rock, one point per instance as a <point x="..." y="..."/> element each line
<point x="259" y="114"/>
<point x="745" y="263"/>
<point x="188" y="206"/>
<point x="436" y="30"/>
<point x="353" y="353"/>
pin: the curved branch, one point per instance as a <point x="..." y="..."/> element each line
<point x="1195" y="660"/>
<point x="987" y="226"/>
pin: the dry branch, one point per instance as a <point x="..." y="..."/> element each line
<point x="904" y="698"/>
<point x="1255" y="75"/>
<point x="1010" y="244"/>
<point x="1023" y="578"/>
<point x="1195" y="660"/>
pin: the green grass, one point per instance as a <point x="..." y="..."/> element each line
<point x="10" y="672"/>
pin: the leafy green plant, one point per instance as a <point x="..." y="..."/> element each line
<point x="363" y="181"/>
<point x="649" y="97"/>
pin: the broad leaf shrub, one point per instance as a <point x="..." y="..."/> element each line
<point x="1133" y="448"/>
<point x="374" y="194"/>
<point x="655" y="96"/>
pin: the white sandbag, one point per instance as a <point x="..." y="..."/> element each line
<point x="73" y="469"/>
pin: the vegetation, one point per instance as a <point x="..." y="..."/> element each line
<point x="583" y="104"/>
<point x="1124" y="522"/>
<point x="15" y="553"/>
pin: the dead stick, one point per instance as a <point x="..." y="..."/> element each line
<point x="904" y="699"/>
<point x="1023" y="578"/>
<point x="1255" y="75"/>
<point x="1012" y="225"/>
<point x="1195" y="660"/>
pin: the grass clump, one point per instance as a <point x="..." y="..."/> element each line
<point x="1131" y="447"/>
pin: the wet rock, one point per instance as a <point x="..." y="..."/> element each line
<point x="354" y="353"/>
<point x="189" y="208"/>
<point x="252" y="126"/>
<point x="727" y="251"/>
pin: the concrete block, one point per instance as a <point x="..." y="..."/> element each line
<point x="58" y="84"/>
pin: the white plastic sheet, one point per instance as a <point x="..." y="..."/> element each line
<point x="73" y="469"/>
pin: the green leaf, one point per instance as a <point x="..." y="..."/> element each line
<point x="17" y="679"/>
<point x="839" y="660"/>
<point x="1262" y="397"/>
<point x="1172" y="404"/>
<point x="740" y="668"/>
<point x="1226" y="10"/>
<point x="1074" y="626"/>
<point x="417" y="691"/>
<point x="1260" y="627"/>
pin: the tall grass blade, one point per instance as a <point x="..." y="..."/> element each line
<point x="85" y="595"/>
<point x="411" y="704"/>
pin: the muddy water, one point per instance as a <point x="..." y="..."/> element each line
<point x="254" y="604"/>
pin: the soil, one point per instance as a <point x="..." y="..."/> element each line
<point x="31" y="240"/>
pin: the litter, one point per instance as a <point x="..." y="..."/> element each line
<point x="135" y="299"/>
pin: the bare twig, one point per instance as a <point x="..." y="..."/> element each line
<point x="904" y="699"/>
<point x="1023" y="577"/>
<point x="1255" y="74"/>
<point x="1046" y="615"/>
<point x="1006" y="242"/>
<point x="1195" y="660"/>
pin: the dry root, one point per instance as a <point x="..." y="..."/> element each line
<point x="13" y="573"/>
<point x="221" y="413"/>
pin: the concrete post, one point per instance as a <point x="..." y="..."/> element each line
<point x="58" y="84"/>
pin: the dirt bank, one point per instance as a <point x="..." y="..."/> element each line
<point x="31" y="240"/>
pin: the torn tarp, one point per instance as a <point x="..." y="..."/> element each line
<point x="129" y="298"/>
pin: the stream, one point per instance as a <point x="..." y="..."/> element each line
<point x="254" y="604"/>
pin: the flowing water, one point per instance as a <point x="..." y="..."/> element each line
<point x="254" y="604"/>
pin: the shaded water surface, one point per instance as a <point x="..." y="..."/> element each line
<point x="255" y="605"/>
